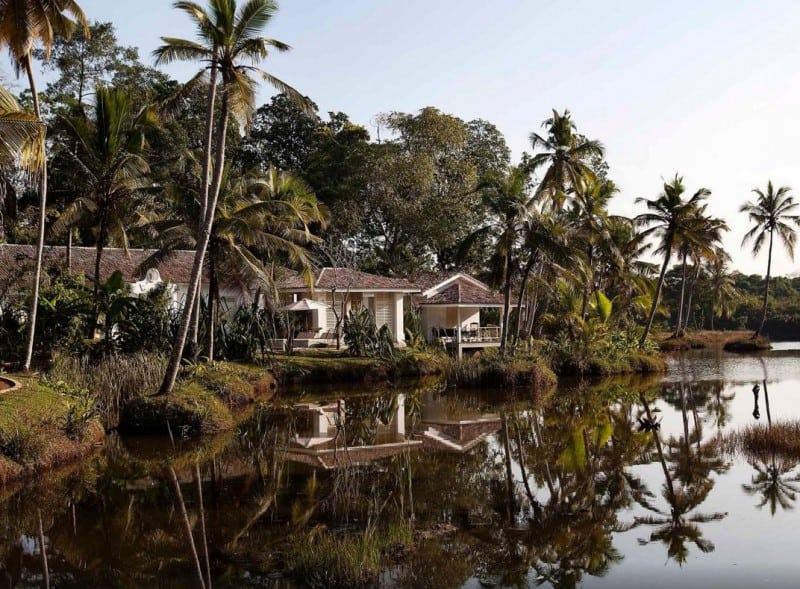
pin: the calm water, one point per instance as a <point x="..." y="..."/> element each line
<point x="605" y="505"/>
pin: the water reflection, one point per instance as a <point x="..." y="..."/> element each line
<point x="421" y="486"/>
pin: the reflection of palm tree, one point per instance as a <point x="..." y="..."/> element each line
<point x="775" y="482"/>
<point x="676" y="527"/>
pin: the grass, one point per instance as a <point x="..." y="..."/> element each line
<point x="325" y="365"/>
<point x="328" y="559"/>
<point x="39" y="429"/>
<point x="748" y="344"/>
<point x="702" y="338"/>
<point x="113" y="381"/>
<point x="782" y="437"/>
<point x="488" y="370"/>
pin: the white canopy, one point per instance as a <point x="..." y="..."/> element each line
<point x="305" y="305"/>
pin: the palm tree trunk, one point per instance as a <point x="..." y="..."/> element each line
<point x="656" y="298"/>
<point x="202" y="244"/>
<point x="213" y="297"/>
<point x="37" y="273"/>
<point x="525" y="274"/>
<point x="692" y="284"/>
<point x="588" y="286"/>
<point x="506" y="301"/>
<point x="210" y="103"/>
<point x="766" y="291"/>
<point x="679" y="322"/>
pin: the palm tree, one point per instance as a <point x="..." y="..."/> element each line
<point x="228" y="36"/>
<point x="506" y="200"/>
<point x="566" y="158"/>
<point x="772" y="212"/>
<point x="589" y="220"/>
<point x="699" y="238"/>
<point x="21" y="136"/>
<point x="23" y="23"/>
<point x="259" y="217"/>
<point x="721" y="288"/>
<point x="109" y="155"/>
<point x="667" y="221"/>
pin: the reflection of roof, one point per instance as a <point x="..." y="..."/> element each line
<point x="329" y="458"/>
<point x="15" y="259"/>
<point x="343" y="278"/>
<point x="459" y="436"/>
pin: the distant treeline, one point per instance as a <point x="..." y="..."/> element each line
<point x="744" y="308"/>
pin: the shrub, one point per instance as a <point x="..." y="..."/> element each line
<point x="364" y="339"/>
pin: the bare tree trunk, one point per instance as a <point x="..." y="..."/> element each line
<point x="197" y="268"/>
<point x="523" y="284"/>
<point x="766" y="291"/>
<point x="656" y="298"/>
<point x="692" y="284"/>
<point x="506" y="302"/>
<point x="37" y="273"/>
<point x="679" y="322"/>
<point x="213" y="298"/>
<point x="205" y="180"/>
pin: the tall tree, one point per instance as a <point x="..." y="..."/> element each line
<point x="228" y="37"/>
<point x="23" y="23"/>
<point x="506" y="198"/>
<point x="110" y="159"/>
<point x="772" y="212"/>
<point x="666" y="221"/>
<point x="565" y="156"/>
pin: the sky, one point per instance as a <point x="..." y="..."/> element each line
<point x="708" y="90"/>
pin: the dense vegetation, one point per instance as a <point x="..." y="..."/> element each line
<point x="135" y="158"/>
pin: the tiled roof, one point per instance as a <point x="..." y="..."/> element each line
<point x="463" y="293"/>
<point x="15" y="260"/>
<point x="342" y="278"/>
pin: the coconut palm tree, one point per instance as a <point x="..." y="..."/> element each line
<point x="699" y="238"/>
<point x="23" y="23"/>
<point x="21" y="136"/>
<point x="229" y="36"/>
<point x="565" y="156"/>
<point x="773" y="212"/>
<point x="259" y="218"/>
<point x="109" y="154"/>
<point x="589" y="219"/>
<point x="721" y="288"/>
<point x="668" y="218"/>
<point x="506" y="198"/>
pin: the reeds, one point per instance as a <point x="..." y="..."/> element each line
<point x="113" y="381"/>
<point x="782" y="437"/>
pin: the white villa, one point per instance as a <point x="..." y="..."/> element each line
<point x="335" y="291"/>
<point x="450" y="307"/>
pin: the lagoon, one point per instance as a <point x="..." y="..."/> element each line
<point x="422" y="486"/>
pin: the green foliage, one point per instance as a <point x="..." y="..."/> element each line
<point x="364" y="339"/>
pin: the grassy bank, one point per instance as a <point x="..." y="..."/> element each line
<point x="699" y="339"/>
<point x="315" y="366"/>
<point x="42" y="426"/>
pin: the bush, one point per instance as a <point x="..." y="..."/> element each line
<point x="364" y="339"/>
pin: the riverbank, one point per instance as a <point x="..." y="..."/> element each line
<point x="42" y="427"/>
<point x="700" y="339"/>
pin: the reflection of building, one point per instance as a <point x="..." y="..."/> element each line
<point x="321" y="435"/>
<point x="454" y="428"/>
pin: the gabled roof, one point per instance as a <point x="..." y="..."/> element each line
<point x="458" y="289"/>
<point x="16" y="260"/>
<point x="344" y="278"/>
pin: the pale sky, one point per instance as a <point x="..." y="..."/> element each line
<point x="707" y="89"/>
